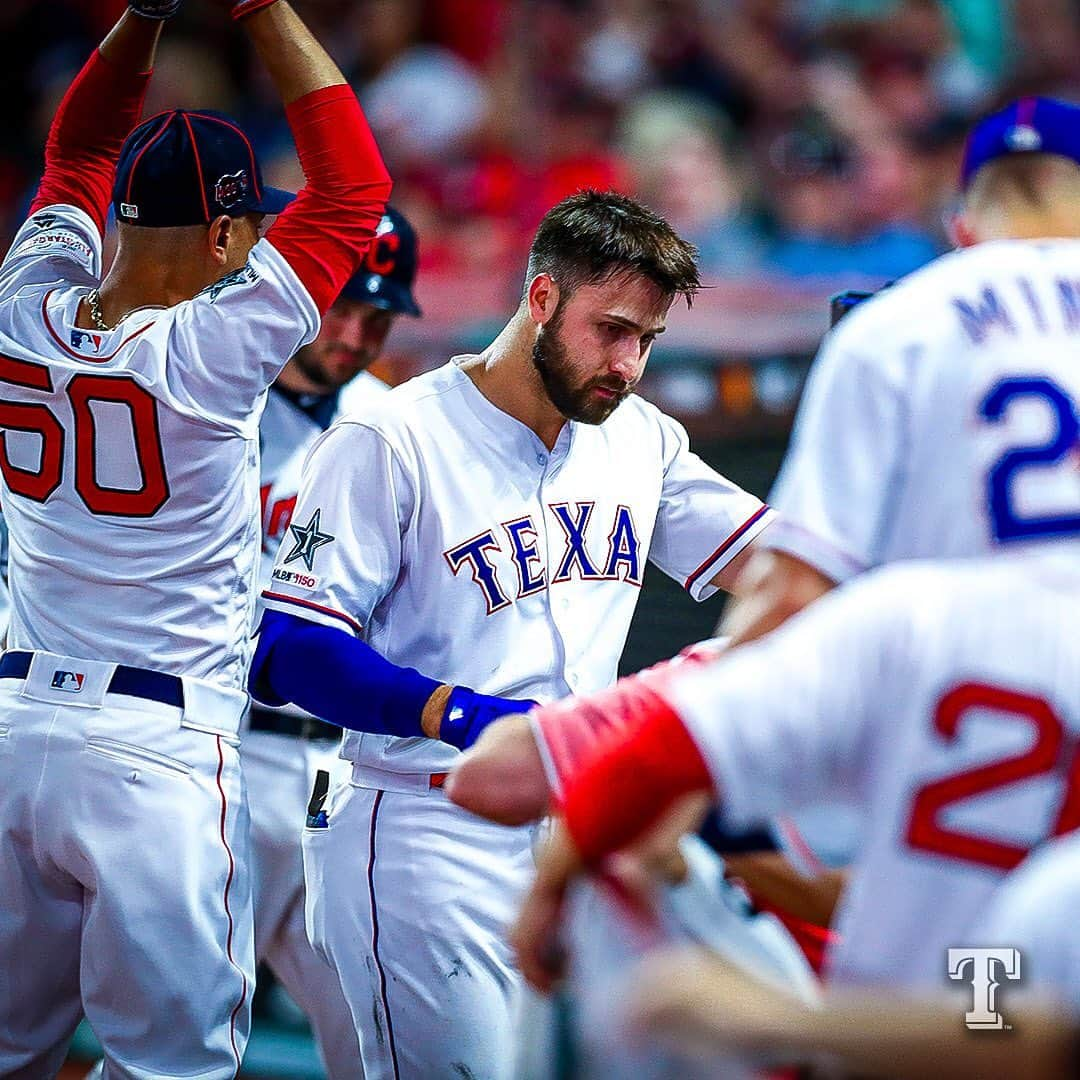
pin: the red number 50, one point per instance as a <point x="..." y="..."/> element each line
<point x="925" y="830"/>
<point x="83" y="389"/>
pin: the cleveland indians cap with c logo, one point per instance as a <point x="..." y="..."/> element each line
<point x="1030" y="125"/>
<point x="187" y="168"/>
<point x="385" y="280"/>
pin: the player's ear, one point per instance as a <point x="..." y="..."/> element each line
<point x="542" y="298"/>
<point x="218" y="238"/>
<point x="961" y="230"/>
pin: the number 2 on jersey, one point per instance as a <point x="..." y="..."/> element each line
<point x="1006" y="521"/>
<point x="38" y="484"/>
<point x="1052" y="750"/>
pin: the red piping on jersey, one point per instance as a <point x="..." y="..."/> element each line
<point x="198" y="169"/>
<point x="79" y="356"/>
<point x="796" y="840"/>
<point x="725" y="546"/>
<point x="353" y="624"/>
<point x="228" y="911"/>
<point x="146" y="146"/>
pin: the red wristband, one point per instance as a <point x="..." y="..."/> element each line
<point x="631" y="782"/>
<point x="571" y="728"/>
<point x="248" y="7"/>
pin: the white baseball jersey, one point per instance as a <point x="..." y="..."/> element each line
<point x="942" y="698"/>
<point x="1035" y="911"/>
<point x="445" y="533"/>
<point x="940" y="417"/>
<point x="129" y="456"/>
<point x="286" y="434"/>
<point x="5" y="595"/>
<point x="279" y="770"/>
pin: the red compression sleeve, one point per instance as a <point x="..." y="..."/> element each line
<point x="96" y="115"/>
<point x="633" y="777"/>
<point x="323" y="235"/>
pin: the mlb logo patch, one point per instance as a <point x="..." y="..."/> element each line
<point x="70" y="681"/>
<point x="85" y="341"/>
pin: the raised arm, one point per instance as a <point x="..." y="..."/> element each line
<point x="100" y="108"/>
<point x="324" y="234"/>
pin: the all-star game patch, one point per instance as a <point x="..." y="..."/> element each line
<point x="307" y="539"/>
<point x="61" y="242"/>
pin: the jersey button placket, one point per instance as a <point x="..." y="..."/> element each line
<point x="551" y="559"/>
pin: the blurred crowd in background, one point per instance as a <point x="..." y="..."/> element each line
<point x="793" y="141"/>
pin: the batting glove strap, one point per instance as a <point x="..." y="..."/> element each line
<point x="155" y="9"/>
<point x="467" y="713"/>
<point x="248" y="7"/>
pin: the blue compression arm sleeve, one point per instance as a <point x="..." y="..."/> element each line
<point x="336" y="676"/>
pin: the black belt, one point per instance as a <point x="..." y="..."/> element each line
<point x="132" y="681"/>
<point x="299" y="727"/>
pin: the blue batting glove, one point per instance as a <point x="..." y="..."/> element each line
<point x="467" y="713"/>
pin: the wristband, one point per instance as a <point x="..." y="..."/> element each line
<point x="467" y="713"/>
<point x="632" y="777"/>
<point x="155" y="9"/>
<point x="567" y="731"/>
<point x="248" y="7"/>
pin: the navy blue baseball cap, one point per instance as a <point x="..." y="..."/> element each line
<point x="386" y="278"/>
<point x="1030" y="125"/>
<point x="187" y="168"/>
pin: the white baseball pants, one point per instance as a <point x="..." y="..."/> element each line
<point x="124" y="890"/>
<point x="280" y="770"/>
<point x="410" y="899"/>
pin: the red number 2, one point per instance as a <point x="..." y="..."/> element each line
<point x="39" y="484"/>
<point x="925" y="830"/>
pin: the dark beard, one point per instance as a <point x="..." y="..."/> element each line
<point x="549" y="357"/>
<point x="307" y="361"/>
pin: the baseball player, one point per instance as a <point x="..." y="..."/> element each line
<point x="473" y="544"/>
<point x="954" y="730"/>
<point x="130" y="410"/>
<point x="694" y="999"/>
<point x="283" y="748"/>
<point x="939" y="419"/>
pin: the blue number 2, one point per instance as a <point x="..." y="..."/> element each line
<point x="1007" y="524"/>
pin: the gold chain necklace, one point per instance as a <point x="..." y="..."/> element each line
<point x="93" y="302"/>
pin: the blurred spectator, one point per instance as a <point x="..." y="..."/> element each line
<point x="679" y="149"/>
<point x="490" y="110"/>
<point x="839" y="212"/>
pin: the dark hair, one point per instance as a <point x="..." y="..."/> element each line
<point x="592" y="236"/>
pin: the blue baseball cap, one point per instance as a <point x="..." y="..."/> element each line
<point x="1030" y="125"/>
<point x="187" y="168"/>
<point x="385" y="280"/>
